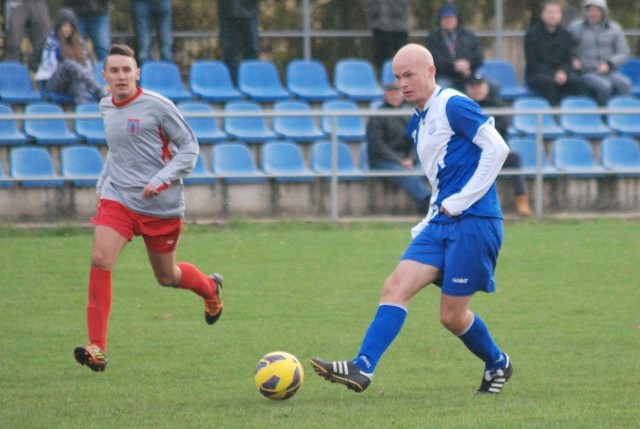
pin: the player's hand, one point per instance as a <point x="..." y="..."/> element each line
<point x="149" y="191"/>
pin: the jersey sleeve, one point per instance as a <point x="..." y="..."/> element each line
<point x="175" y="131"/>
<point x="466" y="118"/>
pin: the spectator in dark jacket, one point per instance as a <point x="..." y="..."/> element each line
<point x="30" y="15"/>
<point x="456" y="51"/>
<point x="94" y="23"/>
<point x="548" y="50"/>
<point x="389" y="24"/>
<point x="238" y="22"/>
<point x="388" y="148"/>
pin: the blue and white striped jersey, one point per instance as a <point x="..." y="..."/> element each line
<point x="461" y="154"/>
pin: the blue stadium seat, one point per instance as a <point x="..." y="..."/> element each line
<point x="526" y="124"/>
<point x="285" y="160"/>
<point x="624" y="124"/>
<point x="321" y="161"/>
<point x="250" y="129"/>
<point x="526" y="148"/>
<point x="350" y="128"/>
<point x="211" y="81"/>
<point x="16" y="86"/>
<point x="259" y="81"/>
<point x="632" y="70"/>
<point x="5" y="182"/>
<point x="90" y="130"/>
<point x="199" y="175"/>
<point x="205" y="128"/>
<point x="363" y="153"/>
<point x="10" y="135"/>
<point x="574" y="156"/>
<point x="55" y="97"/>
<point x="504" y="74"/>
<point x="235" y="163"/>
<point x="33" y="167"/>
<point x="355" y="78"/>
<point x="308" y="81"/>
<point x="48" y="131"/>
<point x="298" y="128"/>
<point x="621" y="155"/>
<point x="164" y="78"/>
<point x="83" y="164"/>
<point x="585" y="126"/>
<point x="386" y="73"/>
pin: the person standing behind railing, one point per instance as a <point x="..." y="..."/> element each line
<point x="26" y="14"/>
<point x="389" y="25"/>
<point x="238" y="22"/>
<point x="94" y="23"/>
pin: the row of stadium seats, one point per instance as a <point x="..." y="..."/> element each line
<point x="258" y="80"/>
<point x="255" y="128"/>
<point x="284" y="161"/>
<point x="249" y="126"/>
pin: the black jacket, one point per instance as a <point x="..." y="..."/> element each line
<point x="547" y="52"/>
<point x="467" y="47"/>
<point x="386" y="140"/>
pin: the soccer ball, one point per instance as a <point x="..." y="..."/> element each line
<point x="278" y="375"/>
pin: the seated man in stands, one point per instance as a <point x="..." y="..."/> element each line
<point x="388" y="148"/>
<point x="479" y="90"/>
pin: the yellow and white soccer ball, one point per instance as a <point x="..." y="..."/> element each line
<point x="278" y="375"/>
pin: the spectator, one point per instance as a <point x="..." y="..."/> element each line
<point x="548" y="48"/>
<point x="601" y="50"/>
<point x="479" y="90"/>
<point x="238" y="22"/>
<point x="456" y="51"/>
<point x="94" y="23"/>
<point x="388" y="148"/>
<point x="148" y="14"/>
<point x="32" y="15"/>
<point x="389" y="24"/>
<point x="66" y="66"/>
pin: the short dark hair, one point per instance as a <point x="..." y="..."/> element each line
<point x="122" y="49"/>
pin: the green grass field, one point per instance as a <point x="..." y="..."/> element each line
<point x="567" y="310"/>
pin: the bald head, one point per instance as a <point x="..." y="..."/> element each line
<point x="416" y="74"/>
<point x="414" y="53"/>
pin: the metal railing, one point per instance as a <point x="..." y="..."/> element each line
<point x="335" y="175"/>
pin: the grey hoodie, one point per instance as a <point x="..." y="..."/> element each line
<point x="601" y="42"/>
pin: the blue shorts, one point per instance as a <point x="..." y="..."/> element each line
<point x="465" y="252"/>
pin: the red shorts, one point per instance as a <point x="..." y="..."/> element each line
<point x="160" y="234"/>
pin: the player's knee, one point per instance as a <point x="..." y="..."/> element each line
<point x="165" y="280"/>
<point x="452" y="321"/>
<point x="101" y="261"/>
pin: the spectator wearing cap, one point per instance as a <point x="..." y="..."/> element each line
<point x="456" y="51"/>
<point x="600" y="51"/>
<point x="478" y="89"/>
<point x="388" y="148"/>
<point x="548" y="49"/>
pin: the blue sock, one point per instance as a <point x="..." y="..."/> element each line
<point x="478" y="340"/>
<point x="384" y="328"/>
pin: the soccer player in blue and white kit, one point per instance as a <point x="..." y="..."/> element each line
<point x="151" y="147"/>
<point x="456" y="246"/>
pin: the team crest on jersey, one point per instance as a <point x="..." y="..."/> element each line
<point x="133" y="126"/>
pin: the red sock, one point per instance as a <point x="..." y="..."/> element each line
<point x="99" y="307"/>
<point x="196" y="281"/>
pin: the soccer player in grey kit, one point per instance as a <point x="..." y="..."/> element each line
<point x="151" y="148"/>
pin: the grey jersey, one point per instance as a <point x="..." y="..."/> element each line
<point x="149" y="141"/>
